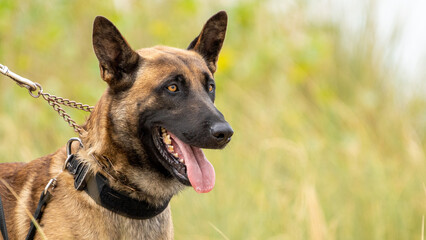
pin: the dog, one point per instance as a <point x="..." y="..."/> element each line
<point x="141" y="145"/>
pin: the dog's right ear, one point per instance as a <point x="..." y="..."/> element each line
<point x="116" y="58"/>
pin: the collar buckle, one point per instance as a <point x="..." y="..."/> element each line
<point x="77" y="168"/>
<point x="69" y="154"/>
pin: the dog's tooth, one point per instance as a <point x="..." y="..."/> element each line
<point x="165" y="136"/>
<point x="181" y="160"/>
<point x="170" y="148"/>
<point x="163" y="130"/>
<point x="176" y="155"/>
<point x="167" y="139"/>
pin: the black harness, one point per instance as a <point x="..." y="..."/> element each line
<point x="98" y="188"/>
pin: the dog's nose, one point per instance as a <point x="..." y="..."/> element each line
<point x="222" y="132"/>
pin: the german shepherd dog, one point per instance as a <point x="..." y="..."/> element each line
<point x="143" y="138"/>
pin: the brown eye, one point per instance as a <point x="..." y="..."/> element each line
<point x="211" y="88"/>
<point x="172" y="88"/>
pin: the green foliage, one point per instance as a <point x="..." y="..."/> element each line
<point x="324" y="146"/>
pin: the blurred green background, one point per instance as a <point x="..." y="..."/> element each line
<point x="325" y="146"/>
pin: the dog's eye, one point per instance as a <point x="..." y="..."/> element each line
<point x="172" y="88"/>
<point x="211" y="88"/>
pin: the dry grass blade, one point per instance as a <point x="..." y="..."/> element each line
<point x="22" y="204"/>
<point x="219" y="231"/>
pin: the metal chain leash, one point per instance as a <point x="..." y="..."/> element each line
<point x="36" y="90"/>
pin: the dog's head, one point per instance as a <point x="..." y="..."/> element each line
<point x="162" y="110"/>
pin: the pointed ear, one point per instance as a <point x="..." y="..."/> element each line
<point x="210" y="40"/>
<point x="116" y="58"/>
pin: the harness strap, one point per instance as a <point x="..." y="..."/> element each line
<point x="44" y="199"/>
<point x="3" y="227"/>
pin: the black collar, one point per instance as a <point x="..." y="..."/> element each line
<point x="98" y="188"/>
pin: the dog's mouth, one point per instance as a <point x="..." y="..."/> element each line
<point x="187" y="163"/>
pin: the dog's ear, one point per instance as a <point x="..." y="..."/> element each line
<point x="210" y="40"/>
<point x="116" y="58"/>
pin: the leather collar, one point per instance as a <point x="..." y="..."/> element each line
<point x="98" y="188"/>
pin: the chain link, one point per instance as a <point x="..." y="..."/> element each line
<point x="55" y="102"/>
<point x="67" y="102"/>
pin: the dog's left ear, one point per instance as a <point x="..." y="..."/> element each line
<point x="210" y="40"/>
<point x="116" y="58"/>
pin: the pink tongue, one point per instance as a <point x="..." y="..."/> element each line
<point x="200" y="171"/>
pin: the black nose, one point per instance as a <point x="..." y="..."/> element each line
<point x="222" y="132"/>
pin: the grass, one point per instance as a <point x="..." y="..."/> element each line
<point x="23" y="206"/>
<point x="325" y="147"/>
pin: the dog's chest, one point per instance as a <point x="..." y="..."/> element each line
<point x="159" y="227"/>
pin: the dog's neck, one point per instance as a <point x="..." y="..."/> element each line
<point x="96" y="137"/>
